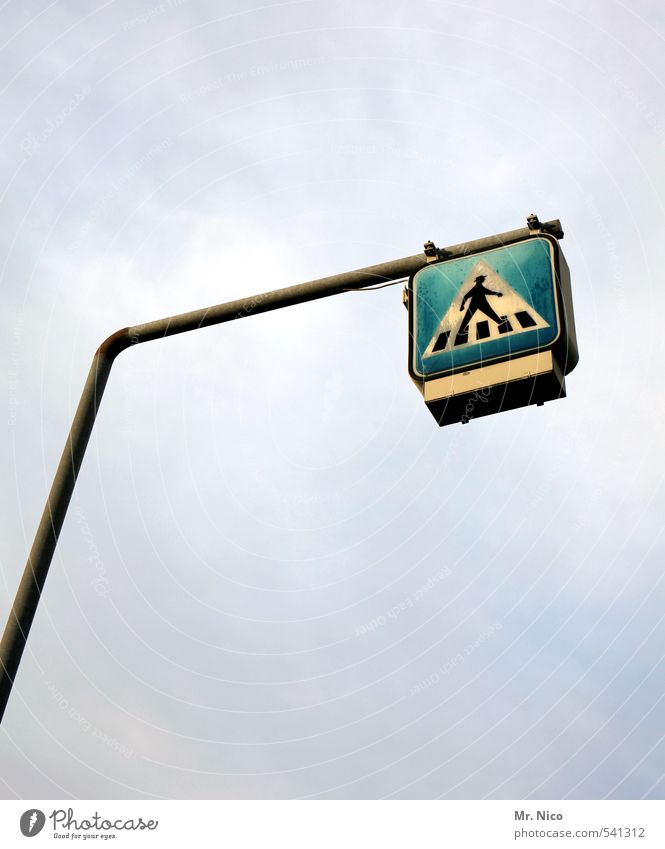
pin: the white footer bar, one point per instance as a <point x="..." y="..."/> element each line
<point x="328" y="824"/>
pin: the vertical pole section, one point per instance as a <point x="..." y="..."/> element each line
<point x="41" y="553"/>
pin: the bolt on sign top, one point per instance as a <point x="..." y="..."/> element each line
<point x="493" y="329"/>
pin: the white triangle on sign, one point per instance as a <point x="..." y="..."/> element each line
<point x="483" y="309"/>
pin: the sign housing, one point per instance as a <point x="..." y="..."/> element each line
<point x="492" y="330"/>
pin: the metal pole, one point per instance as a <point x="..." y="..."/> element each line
<point x="41" y="553"/>
<point x="39" y="560"/>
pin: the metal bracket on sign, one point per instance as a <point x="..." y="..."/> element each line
<point x="552" y="227"/>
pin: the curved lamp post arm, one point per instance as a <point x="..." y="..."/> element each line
<point x="39" y="560"/>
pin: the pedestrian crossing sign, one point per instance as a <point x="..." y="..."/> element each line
<point x="475" y="315"/>
<point x="500" y="318"/>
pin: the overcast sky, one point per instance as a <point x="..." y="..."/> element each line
<point x="278" y="577"/>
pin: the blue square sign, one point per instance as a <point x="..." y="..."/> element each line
<point x="492" y="330"/>
<point x="484" y="308"/>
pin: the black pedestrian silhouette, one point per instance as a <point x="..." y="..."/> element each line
<point x="477" y="297"/>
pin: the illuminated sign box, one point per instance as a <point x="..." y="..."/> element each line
<point x="493" y="330"/>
